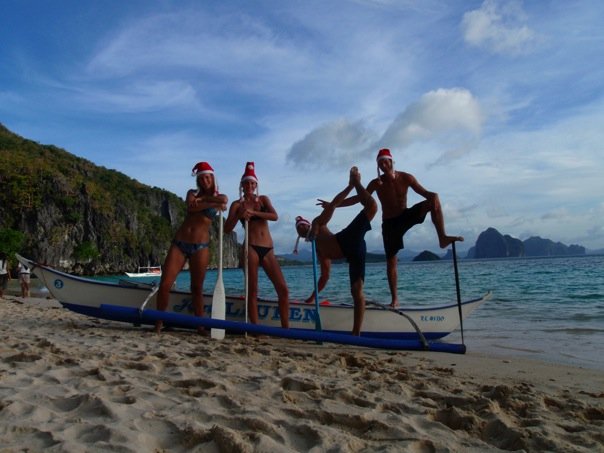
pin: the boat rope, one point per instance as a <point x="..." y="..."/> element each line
<point x="458" y="291"/>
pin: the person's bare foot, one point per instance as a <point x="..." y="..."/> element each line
<point x="203" y="332"/>
<point x="158" y="326"/>
<point x="446" y="241"/>
<point x="355" y="176"/>
<point x="394" y="304"/>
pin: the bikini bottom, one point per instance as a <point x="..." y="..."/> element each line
<point x="261" y="252"/>
<point x="189" y="249"/>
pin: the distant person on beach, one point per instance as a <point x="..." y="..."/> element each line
<point x="192" y="240"/>
<point x="24" y="279"/>
<point x="4" y="273"/>
<point x="258" y="210"/>
<point x="392" y="188"/>
<point x="348" y="243"/>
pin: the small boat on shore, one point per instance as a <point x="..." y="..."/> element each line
<point x="146" y="271"/>
<point x="134" y="302"/>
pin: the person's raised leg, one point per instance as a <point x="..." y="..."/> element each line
<point x="436" y="213"/>
<point x="365" y="198"/>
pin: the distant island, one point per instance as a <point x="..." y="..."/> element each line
<point x="427" y="255"/>
<point x="492" y="244"/>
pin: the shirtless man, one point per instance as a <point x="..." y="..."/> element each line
<point x="348" y="243"/>
<point x="392" y="188"/>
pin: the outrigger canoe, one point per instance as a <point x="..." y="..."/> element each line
<point x="134" y="302"/>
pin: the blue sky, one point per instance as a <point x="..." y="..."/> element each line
<point x="496" y="105"/>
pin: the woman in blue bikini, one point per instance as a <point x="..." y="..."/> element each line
<point x="258" y="210"/>
<point x="191" y="241"/>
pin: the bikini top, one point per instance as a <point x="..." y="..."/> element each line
<point x="209" y="212"/>
<point x="253" y="218"/>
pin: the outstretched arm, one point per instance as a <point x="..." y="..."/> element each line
<point x="330" y="207"/>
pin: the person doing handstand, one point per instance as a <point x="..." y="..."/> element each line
<point x="392" y="188"/>
<point x="348" y="243"/>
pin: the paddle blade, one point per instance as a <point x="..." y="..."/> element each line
<point x="218" y="299"/>
<point x="218" y="308"/>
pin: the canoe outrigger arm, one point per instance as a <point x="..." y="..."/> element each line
<point x="421" y="336"/>
<point x="422" y="339"/>
<point x="154" y="290"/>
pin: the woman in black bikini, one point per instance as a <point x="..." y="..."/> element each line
<point x="191" y="241"/>
<point x="258" y="210"/>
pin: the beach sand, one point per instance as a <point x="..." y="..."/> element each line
<point x="72" y="383"/>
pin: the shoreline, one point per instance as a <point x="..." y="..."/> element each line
<point x="72" y="382"/>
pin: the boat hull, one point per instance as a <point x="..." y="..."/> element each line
<point x="88" y="297"/>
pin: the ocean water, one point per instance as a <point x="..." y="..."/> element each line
<point x="550" y="309"/>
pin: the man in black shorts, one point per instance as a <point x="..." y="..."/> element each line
<point x="348" y="243"/>
<point x="392" y="188"/>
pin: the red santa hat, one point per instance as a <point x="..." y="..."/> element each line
<point x="249" y="174"/>
<point x="204" y="168"/>
<point x="383" y="153"/>
<point x="299" y="221"/>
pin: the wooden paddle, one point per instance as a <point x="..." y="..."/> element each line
<point x="218" y="299"/>
<point x="457" y="290"/>
<point x="246" y="264"/>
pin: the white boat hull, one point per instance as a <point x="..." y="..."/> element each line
<point x="87" y="296"/>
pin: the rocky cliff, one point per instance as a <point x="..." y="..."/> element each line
<point x="84" y="218"/>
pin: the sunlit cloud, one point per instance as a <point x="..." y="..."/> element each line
<point x="337" y="143"/>
<point x="449" y="115"/>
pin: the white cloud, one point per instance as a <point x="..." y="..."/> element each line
<point x="451" y="116"/>
<point x="499" y="28"/>
<point x="446" y="114"/>
<point x="337" y="143"/>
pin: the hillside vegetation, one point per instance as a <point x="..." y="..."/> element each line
<point x="66" y="211"/>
